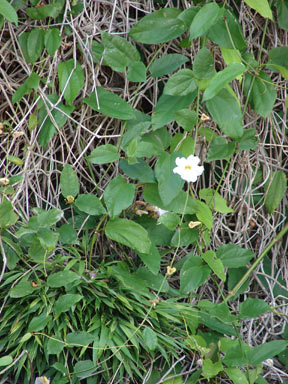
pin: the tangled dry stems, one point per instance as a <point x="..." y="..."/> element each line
<point x="250" y="226"/>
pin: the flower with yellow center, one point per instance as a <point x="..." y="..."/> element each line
<point x="188" y="168"/>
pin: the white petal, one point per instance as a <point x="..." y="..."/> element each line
<point x="180" y="161"/>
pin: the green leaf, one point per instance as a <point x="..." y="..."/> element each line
<point x="278" y="60"/>
<point x="79" y="338"/>
<point x="193" y="274"/>
<point x="219" y="149"/>
<point x="262" y="94"/>
<point x="67" y="234"/>
<point x="210" y="369"/>
<point x="150" y="338"/>
<point x="39" y="323"/>
<point x="186" y="119"/>
<point x="69" y="183"/>
<point x="233" y="256"/>
<point x="104" y="154"/>
<point x="261" y="6"/>
<point x="166" y="108"/>
<point x="22" y="289"/>
<point x="46" y="219"/>
<point x="158" y="27"/>
<point x="282" y="11"/>
<point x="184" y="237"/>
<point x="215" y="264"/>
<point x="170" y="220"/>
<point x="35" y="44"/>
<point x="65" y="302"/>
<point x="61" y="279"/>
<point x="226" y="112"/>
<point x="54" y="347"/>
<point x="182" y="143"/>
<point x="118" y="52"/>
<point x="128" y="233"/>
<point x="89" y="204"/>
<point x="180" y="84"/>
<point x="248" y="140"/>
<point x="169" y="183"/>
<point x="138" y="171"/>
<point x="222" y="78"/>
<point x="7" y="215"/>
<point x="48" y="129"/>
<point x="118" y="196"/>
<point x="252" y="308"/>
<point x="167" y="64"/>
<point x="37" y="252"/>
<point x="151" y="259"/>
<point x="48" y="10"/>
<point x="204" y="214"/>
<point x="214" y="200"/>
<point x="266" y="351"/>
<point x="48" y="239"/>
<point x="15" y="160"/>
<point x="137" y="72"/>
<point x="8" y="11"/>
<point x="275" y="190"/>
<point x="110" y="104"/>
<point x="84" y="368"/>
<point x="204" y="19"/>
<point x="71" y="79"/>
<point x="153" y="143"/>
<point x="5" y="360"/>
<point x="237" y="376"/>
<point x="52" y="40"/>
<point x="32" y="82"/>
<point x="203" y="66"/>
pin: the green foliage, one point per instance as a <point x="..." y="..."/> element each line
<point x="8" y="11"/>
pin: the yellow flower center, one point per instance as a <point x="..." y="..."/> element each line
<point x="188" y="167"/>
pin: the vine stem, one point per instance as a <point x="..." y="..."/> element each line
<point x="256" y="263"/>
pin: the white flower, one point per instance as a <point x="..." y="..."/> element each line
<point x="188" y="168"/>
<point x="42" y="380"/>
<point x="159" y="211"/>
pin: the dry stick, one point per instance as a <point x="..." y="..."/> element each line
<point x="256" y="262"/>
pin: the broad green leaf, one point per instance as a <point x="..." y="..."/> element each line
<point x="52" y="40"/>
<point x="237" y="376"/>
<point x="103" y="154"/>
<point x="79" y="338"/>
<point x="183" y="237"/>
<point x="266" y="351"/>
<point x="7" y="215"/>
<point x="69" y="183"/>
<point x="215" y="324"/>
<point x="204" y="214"/>
<point x="61" y="279"/>
<point x="23" y="39"/>
<point x="15" y="160"/>
<point x="48" y="239"/>
<point x="233" y="256"/>
<point x="151" y="259"/>
<point x="167" y="64"/>
<point x="71" y="79"/>
<point x="54" y="347"/>
<point x="45" y="219"/>
<point x="203" y="66"/>
<point x="5" y="360"/>
<point x="32" y="82"/>
<point x="234" y="275"/>
<point x="219" y="149"/>
<point x="8" y="11"/>
<point x="153" y="281"/>
<point x="169" y="183"/>
<point x="84" y="368"/>
<point x="118" y="52"/>
<point x="153" y="143"/>
<point x="137" y="72"/>
<point x="158" y="27"/>
<point x="37" y="252"/>
<point x="252" y="308"/>
<point x="167" y="106"/>
<point x="48" y="10"/>
<point x="275" y="191"/>
<point x="220" y="311"/>
<point x="224" y="30"/>
<point x="59" y="115"/>
<point x="22" y="289"/>
<point x="226" y="112"/>
<point x="38" y="323"/>
<point x="65" y="302"/>
<point x="215" y="264"/>
<point x="262" y="93"/>
<point x="193" y="274"/>
<point x="35" y="44"/>
<point x="261" y="6"/>
<point x="110" y="104"/>
<point x="170" y="220"/>
<point x="282" y="11"/>
<point x="180" y="84"/>
<point x="204" y="19"/>
<point x="210" y="369"/>
<point x="248" y="140"/>
<point x="278" y="60"/>
<point x="221" y="79"/>
<point x="186" y="119"/>
<point x="150" y="338"/>
<point x="138" y="171"/>
<point x="232" y="56"/>
<point x="118" y="195"/>
<point x="129" y="280"/>
<point x="67" y="234"/>
<point x="214" y="200"/>
<point x="89" y="204"/>
<point x="128" y="233"/>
